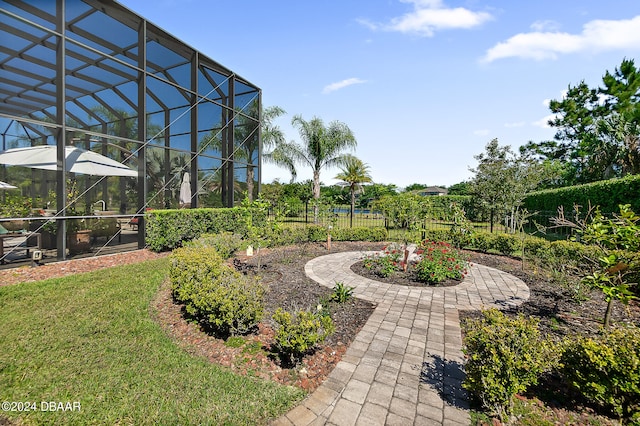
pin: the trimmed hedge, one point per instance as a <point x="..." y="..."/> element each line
<point x="284" y="235"/>
<point x="225" y="243"/>
<point x="607" y="194"/>
<point x="215" y="293"/>
<point x="168" y="229"/>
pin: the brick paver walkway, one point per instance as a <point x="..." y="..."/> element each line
<point x="405" y="365"/>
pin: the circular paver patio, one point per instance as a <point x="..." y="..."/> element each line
<point x="405" y="366"/>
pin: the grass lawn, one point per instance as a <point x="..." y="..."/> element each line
<point x="89" y="338"/>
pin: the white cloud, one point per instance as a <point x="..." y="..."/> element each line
<point x="481" y="132"/>
<point x="544" y="121"/>
<point x="430" y="16"/>
<point x="342" y="84"/>
<point x="515" y="124"/>
<point x="548" y="25"/>
<point x="597" y="35"/>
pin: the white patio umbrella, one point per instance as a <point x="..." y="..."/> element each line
<point x="185" y="191"/>
<point x="78" y="160"/>
<point x="4" y="185"/>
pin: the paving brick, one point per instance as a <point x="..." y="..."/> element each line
<point x="396" y="420"/>
<point x="320" y="399"/>
<point x="301" y="415"/>
<point x="365" y="373"/>
<point x="389" y="375"/>
<point x="430" y="412"/>
<point x="380" y="394"/>
<point x="386" y="375"/>
<point x="403" y="408"/>
<point x="356" y="391"/>
<point x="372" y="415"/>
<point x="424" y="421"/>
<point x="346" y="413"/>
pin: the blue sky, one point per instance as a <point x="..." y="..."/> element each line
<point x="423" y="84"/>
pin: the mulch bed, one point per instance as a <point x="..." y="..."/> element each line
<point x="407" y="278"/>
<point x="282" y="270"/>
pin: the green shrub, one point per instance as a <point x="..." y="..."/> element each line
<point x="436" y="235"/>
<point x="191" y="266"/>
<point x="506" y="244"/>
<point x="359" y="234"/>
<point x="231" y="304"/>
<point x="225" y="243"/>
<point x="287" y="235"/>
<point x="317" y="233"/>
<point x="504" y="357"/>
<point x="606" y="369"/>
<point x="215" y="293"/>
<point x="168" y="229"/>
<point x="607" y="194"/>
<point x="483" y="241"/>
<point x="536" y="247"/>
<point x="297" y="333"/>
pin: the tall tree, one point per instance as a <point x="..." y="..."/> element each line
<point x="597" y="128"/>
<point x="322" y="146"/>
<point x="460" y="188"/>
<point x="503" y="179"/>
<point x="354" y="173"/>
<point x="621" y="90"/>
<point x="415" y="186"/>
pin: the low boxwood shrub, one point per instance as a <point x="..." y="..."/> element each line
<point x="606" y="369"/>
<point x="213" y="292"/>
<point x="483" y="241"/>
<point x="506" y="244"/>
<point x="536" y="247"/>
<point x="299" y="332"/>
<point x="225" y="243"/>
<point x="230" y="304"/>
<point x="287" y="235"/>
<point x="317" y="233"/>
<point x="436" y="235"/>
<point x="191" y="266"/>
<point x="359" y="234"/>
<point x="504" y="357"/>
<point x="168" y="229"/>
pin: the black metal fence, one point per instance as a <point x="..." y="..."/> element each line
<point x="539" y="224"/>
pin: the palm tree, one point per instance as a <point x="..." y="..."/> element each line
<point x="322" y="146"/>
<point x="354" y="173"/>
<point x="272" y="138"/>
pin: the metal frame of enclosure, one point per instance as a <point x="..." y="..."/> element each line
<point x="93" y="74"/>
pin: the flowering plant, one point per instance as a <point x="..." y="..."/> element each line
<point x="385" y="264"/>
<point x="440" y="261"/>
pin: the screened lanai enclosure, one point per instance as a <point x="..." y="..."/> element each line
<point x="91" y="75"/>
